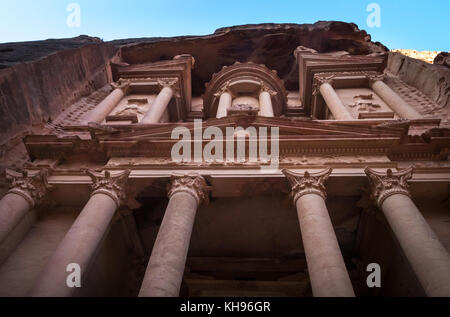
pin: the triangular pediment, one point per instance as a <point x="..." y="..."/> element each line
<point x="288" y="129"/>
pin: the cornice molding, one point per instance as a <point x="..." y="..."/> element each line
<point x="386" y="185"/>
<point x="307" y="183"/>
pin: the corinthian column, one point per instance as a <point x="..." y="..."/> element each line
<point x="334" y="103"/>
<point x="104" y="108"/>
<point x="427" y="256"/>
<point x="265" y="101"/>
<point x="84" y="237"/>
<point x="225" y="101"/>
<point x="395" y="102"/>
<point x="159" y="106"/>
<point x="25" y="191"/>
<point x="326" y="267"/>
<point x="166" y="265"/>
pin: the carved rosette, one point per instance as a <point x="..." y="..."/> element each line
<point x="320" y="80"/>
<point x="307" y="183"/>
<point x="31" y="188"/>
<point x="374" y="78"/>
<point x="107" y="184"/>
<point x="171" y="83"/>
<point x="194" y="185"/>
<point x="385" y="185"/>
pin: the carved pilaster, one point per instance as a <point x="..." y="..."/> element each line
<point x="171" y="83"/>
<point x="31" y="188"/>
<point x="385" y="185"/>
<point x="113" y="186"/>
<point x="307" y="183"/>
<point x="372" y="78"/>
<point x="194" y="185"/>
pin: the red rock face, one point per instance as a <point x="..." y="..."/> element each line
<point x="35" y="92"/>
<point x="269" y="44"/>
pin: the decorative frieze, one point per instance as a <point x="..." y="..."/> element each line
<point x="31" y="187"/>
<point x="194" y="185"/>
<point x="111" y="185"/>
<point x="385" y="185"/>
<point x="307" y="183"/>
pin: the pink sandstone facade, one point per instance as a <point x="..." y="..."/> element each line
<point x="362" y="177"/>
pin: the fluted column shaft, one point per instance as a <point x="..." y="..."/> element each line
<point x="24" y="192"/>
<point x="395" y="102"/>
<point x="225" y="102"/>
<point x="326" y="266"/>
<point x="426" y="254"/>
<point x="104" y="108"/>
<point x="165" y="269"/>
<point x="84" y="237"/>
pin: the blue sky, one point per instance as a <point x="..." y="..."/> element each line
<point x="421" y="25"/>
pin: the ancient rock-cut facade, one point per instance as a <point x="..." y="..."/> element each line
<point x="356" y="171"/>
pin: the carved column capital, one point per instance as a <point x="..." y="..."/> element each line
<point x="266" y="88"/>
<point x="372" y="78"/>
<point x="320" y="80"/>
<point x="122" y="84"/>
<point x="31" y="187"/>
<point x="307" y="183"/>
<point x="225" y="88"/>
<point x="171" y="83"/>
<point x="194" y="185"/>
<point x="111" y="185"/>
<point x="385" y="185"/>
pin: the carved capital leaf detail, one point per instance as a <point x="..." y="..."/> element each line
<point x="194" y="185"/>
<point x="170" y="83"/>
<point x="307" y="183"/>
<point x="111" y="185"/>
<point x="31" y="187"/>
<point x="122" y="84"/>
<point x="267" y="88"/>
<point x="374" y="78"/>
<point x="225" y="88"/>
<point x="385" y="185"/>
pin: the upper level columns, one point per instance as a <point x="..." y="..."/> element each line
<point x="332" y="100"/>
<point x="427" y="256"/>
<point x="265" y="101"/>
<point x="326" y="267"/>
<point x="25" y="191"/>
<point x="84" y="237"/>
<point x="395" y="102"/>
<point x="225" y="102"/>
<point x="166" y="265"/>
<point x="104" y="108"/>
<point x="159" y="106"/>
